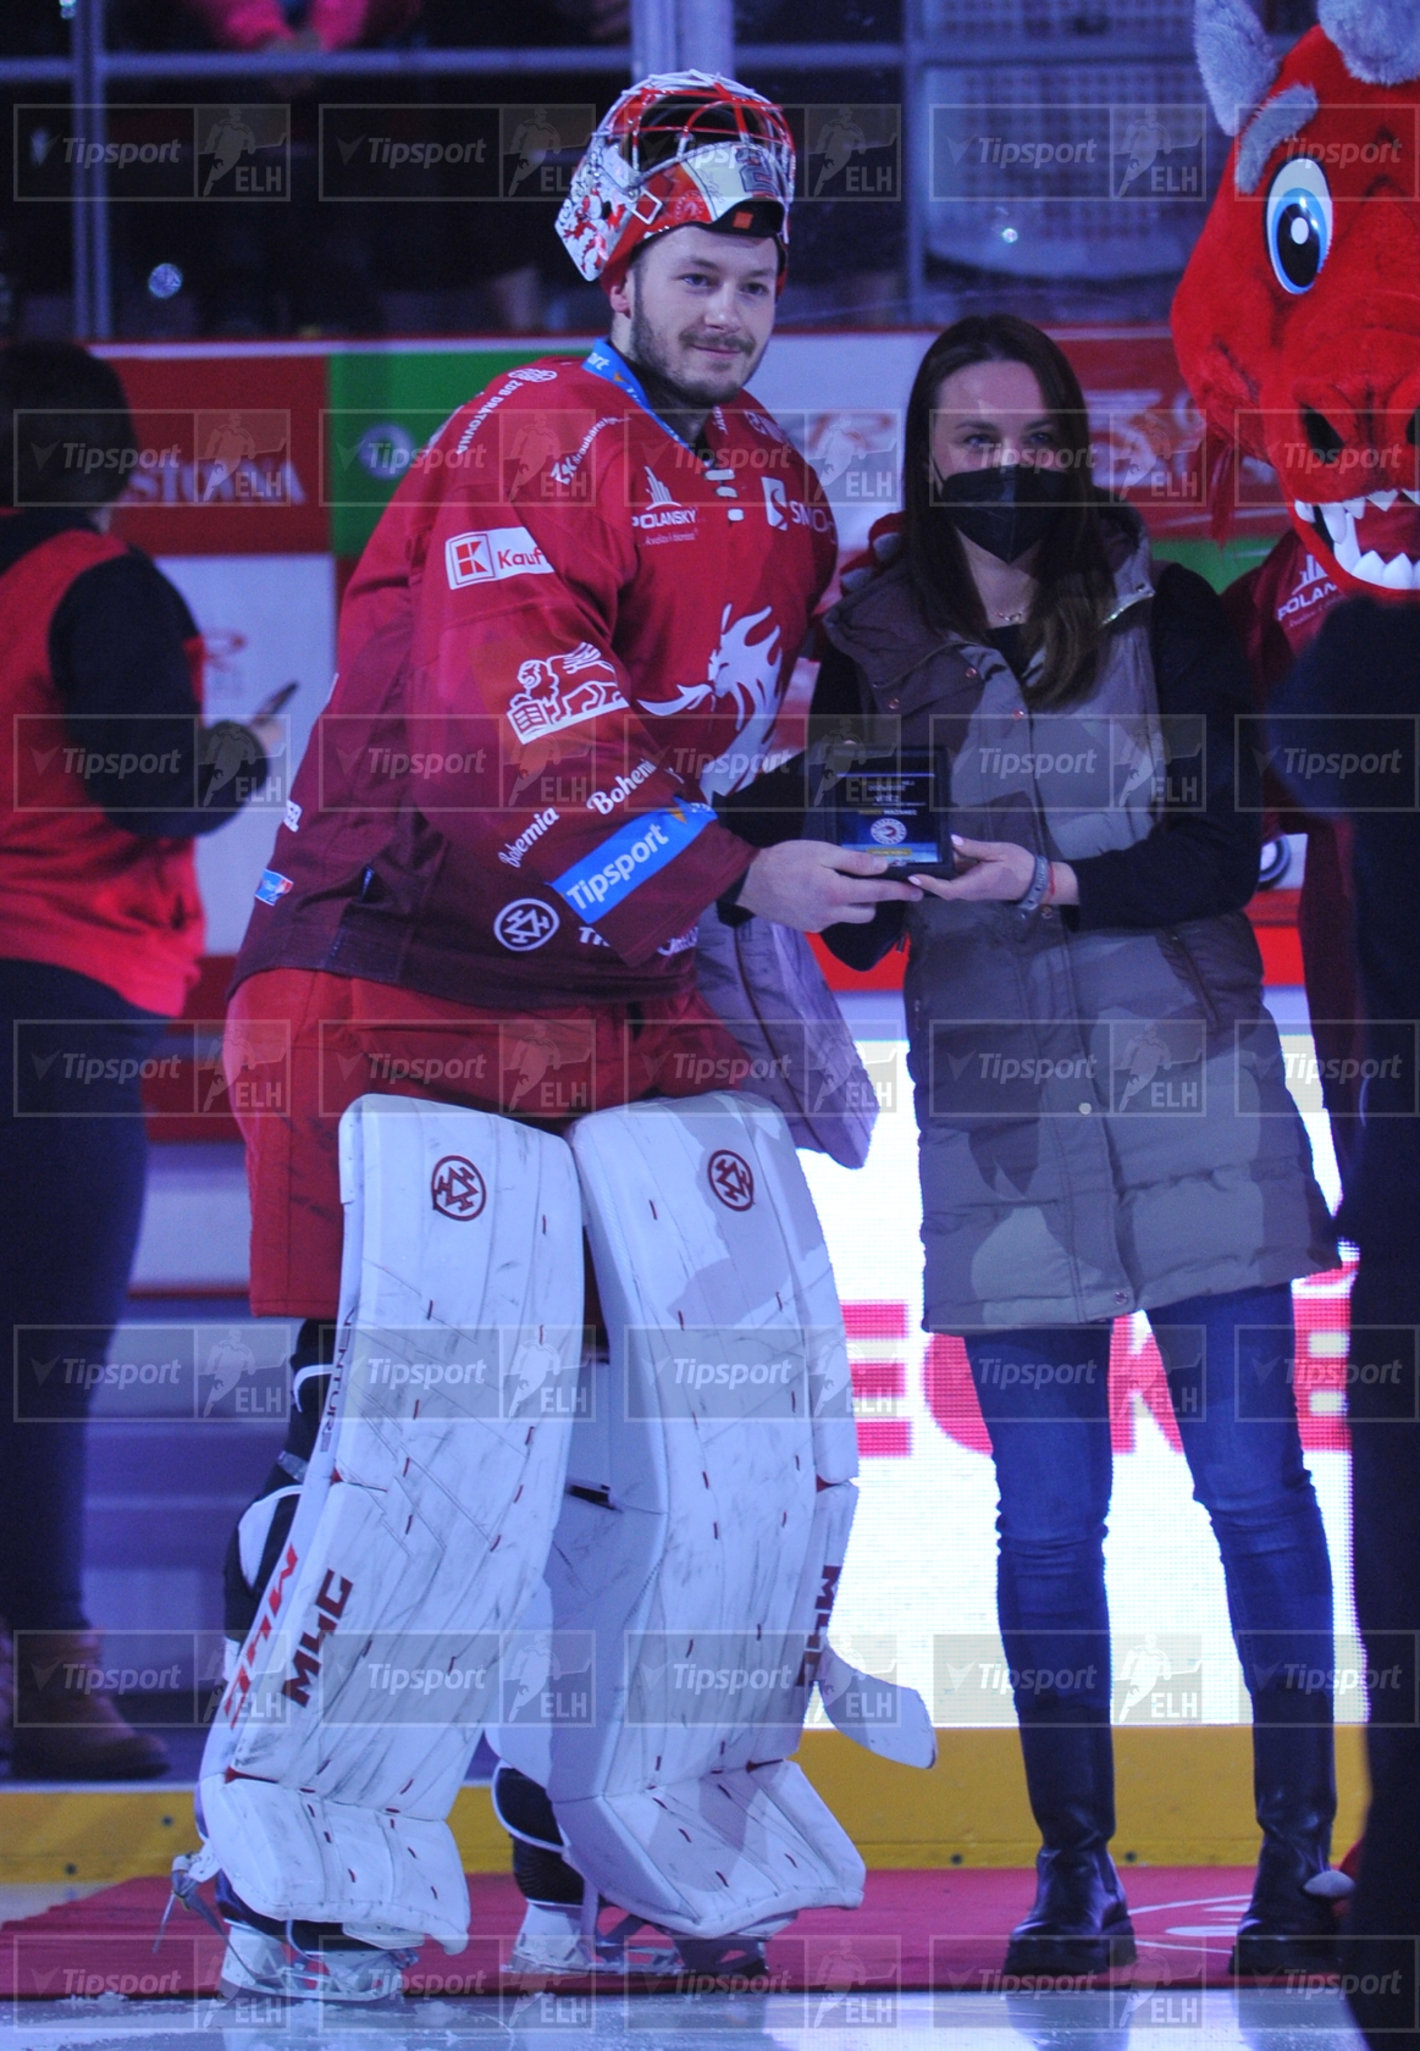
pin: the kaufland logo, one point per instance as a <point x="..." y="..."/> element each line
<point x="493" y="553"/>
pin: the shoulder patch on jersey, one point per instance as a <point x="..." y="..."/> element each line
<point x="487" y="554"/>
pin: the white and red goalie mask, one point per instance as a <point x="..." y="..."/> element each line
<point x="681" y="150"/>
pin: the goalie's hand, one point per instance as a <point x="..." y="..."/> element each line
<point x="812" y="884"/>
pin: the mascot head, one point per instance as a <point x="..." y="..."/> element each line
<point x="1297" y="321"/>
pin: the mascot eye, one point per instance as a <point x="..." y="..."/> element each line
<point x="1297" y="223"/>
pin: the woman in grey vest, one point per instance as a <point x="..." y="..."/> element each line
<point x="1104" y="1123"/>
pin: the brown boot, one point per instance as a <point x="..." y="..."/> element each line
<point x="66" y="1725"/>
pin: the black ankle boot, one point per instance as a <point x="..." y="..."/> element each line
<point x="1286" y="1929"/>
<point x="1079" y="1923"/>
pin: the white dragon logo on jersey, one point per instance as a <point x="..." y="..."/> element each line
<point x="744" y="678"/>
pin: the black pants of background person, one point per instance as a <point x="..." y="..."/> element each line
<point x="1380" y="1959"/>
<point x="72" y="1162"/>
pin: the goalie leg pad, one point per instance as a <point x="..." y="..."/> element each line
<point x="695" y="1538"/>
<point x="421" y="1528"/>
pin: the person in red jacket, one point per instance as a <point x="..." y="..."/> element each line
<point x="560" y="664"/>
<point x="106" y="774"/>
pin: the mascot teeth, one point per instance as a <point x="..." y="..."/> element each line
<point x="1340" y="519"/>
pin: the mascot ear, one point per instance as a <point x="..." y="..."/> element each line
<point x="1379" y="39"/>
<point x="1235" y="58"/>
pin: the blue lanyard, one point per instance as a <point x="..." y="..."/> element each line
<point x="602" y="360"/>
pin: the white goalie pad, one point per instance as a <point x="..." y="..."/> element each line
<point x="388" y="1631"/>
<point x="710" y="1498"/>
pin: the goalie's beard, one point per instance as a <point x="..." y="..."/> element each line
<point x="683" y="407"/>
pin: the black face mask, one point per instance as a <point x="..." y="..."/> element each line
<point x="1006" y="509"/>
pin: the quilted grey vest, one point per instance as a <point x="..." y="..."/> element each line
<point x="1103" y="1118"/>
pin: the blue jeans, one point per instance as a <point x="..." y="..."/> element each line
<point x="1227" y="1360"/>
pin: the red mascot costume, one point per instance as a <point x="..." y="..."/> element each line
<point x="1297" y="326"/>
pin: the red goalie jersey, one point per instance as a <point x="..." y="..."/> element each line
<point x="569" y="633"/>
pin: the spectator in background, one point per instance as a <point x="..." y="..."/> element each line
<point x="106" y="774"/>
<point x="320" y="25"/>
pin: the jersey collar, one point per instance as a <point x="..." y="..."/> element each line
<point x="604" y="360"/>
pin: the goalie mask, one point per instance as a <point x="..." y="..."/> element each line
<point x="681" y="150"/>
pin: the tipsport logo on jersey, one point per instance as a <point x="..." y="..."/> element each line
<point x="605" y="879"/>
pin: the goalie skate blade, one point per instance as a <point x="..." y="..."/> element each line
<point x="255" y="1963"/>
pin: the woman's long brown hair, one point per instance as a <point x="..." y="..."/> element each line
<point x="1074" y="587"/>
